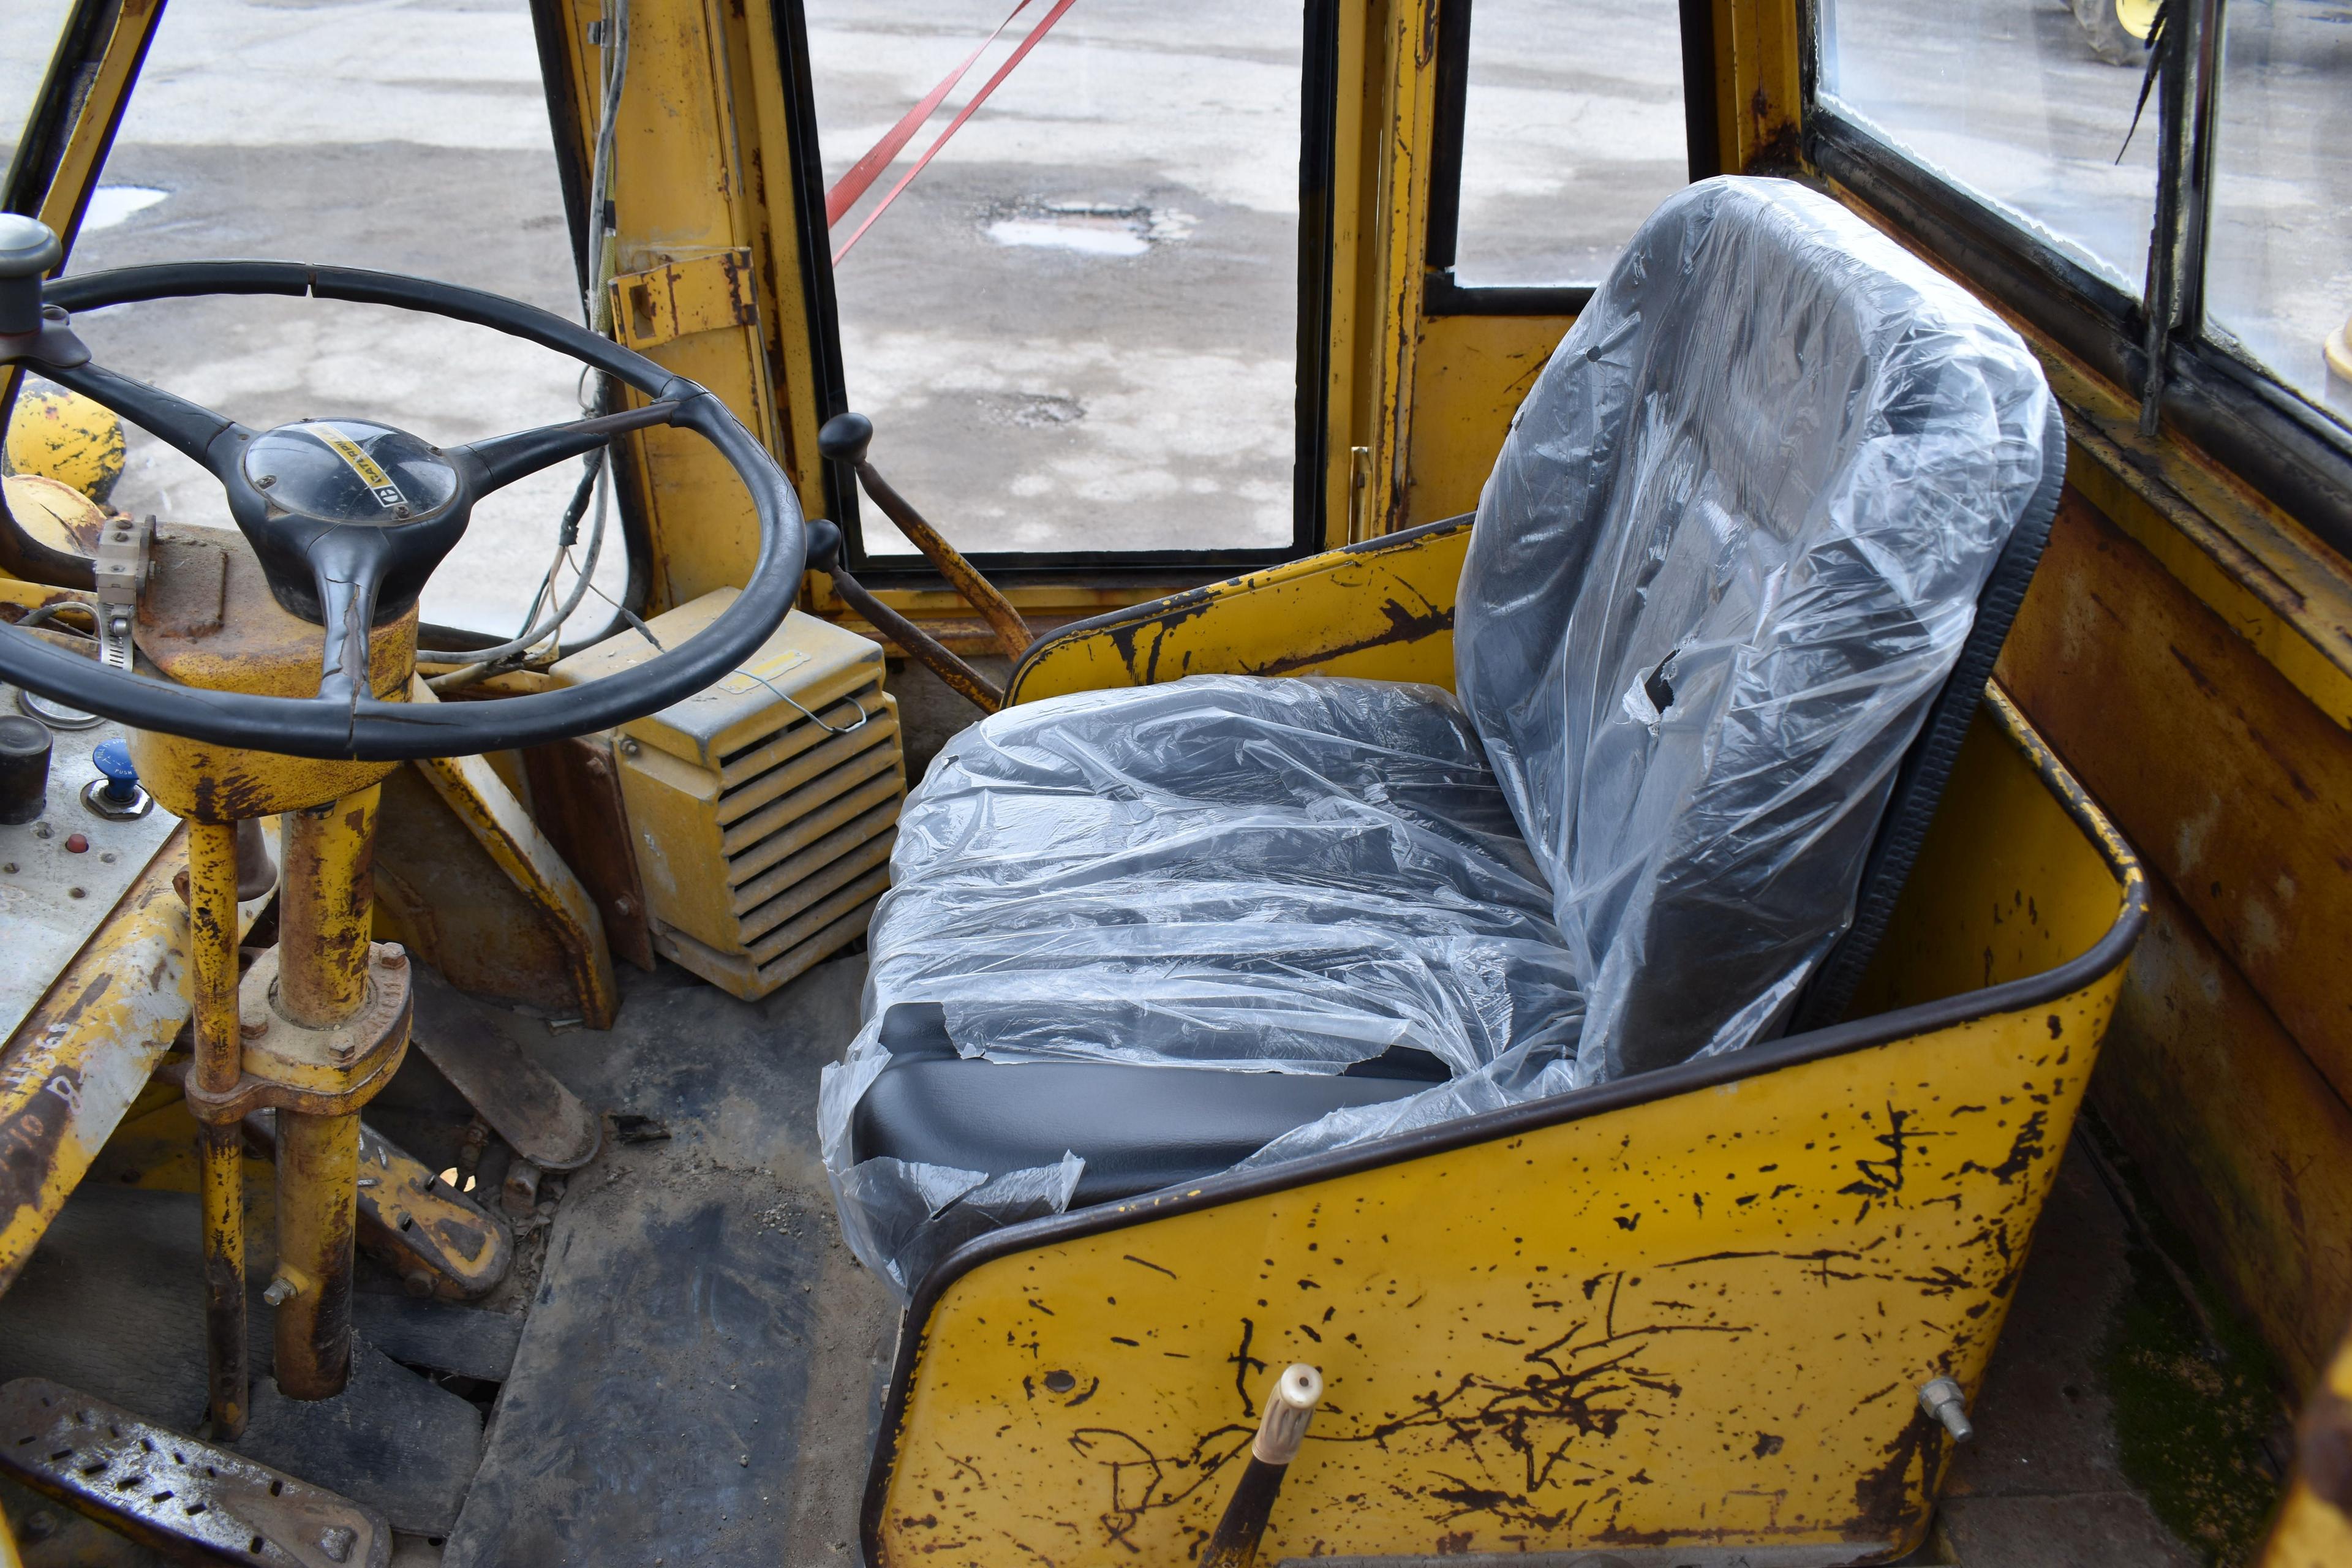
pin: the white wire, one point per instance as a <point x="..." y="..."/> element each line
<point x="596" y="306"/>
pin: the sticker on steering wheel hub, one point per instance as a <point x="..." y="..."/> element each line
<point x="379" y="483"/>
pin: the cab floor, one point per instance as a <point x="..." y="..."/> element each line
<point x="700" y="1368"/>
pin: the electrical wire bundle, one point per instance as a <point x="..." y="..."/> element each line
<point x="541" y="634"/>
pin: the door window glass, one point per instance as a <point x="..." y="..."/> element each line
<point x="1078" y="329"/>
<point x="2278" y="269"/>
<point x="265" y="128"/>
<point x="32" y="28"/>
<point x="2025" y="102"/>
<point x="1572" y="132"/>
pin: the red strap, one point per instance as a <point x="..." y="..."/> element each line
<point x="852" y="184"/>
<point x="1036" y="34"/>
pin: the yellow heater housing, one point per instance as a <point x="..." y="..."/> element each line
<point x="761" y="810"/>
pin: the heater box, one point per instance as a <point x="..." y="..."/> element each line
<point x="761" y="810"/>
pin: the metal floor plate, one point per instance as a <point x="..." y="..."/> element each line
<point x="175" y="1493"/>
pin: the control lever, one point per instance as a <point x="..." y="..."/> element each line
<point x="844" y="439"/>
<point x="825" y="556"/>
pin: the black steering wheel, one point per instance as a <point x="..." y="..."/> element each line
<point x="349" y="517"/>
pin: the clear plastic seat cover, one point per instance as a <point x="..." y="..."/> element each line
<point x="1726" y="558"/>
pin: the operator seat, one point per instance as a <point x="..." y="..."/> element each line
<point x="1732" y="595"/>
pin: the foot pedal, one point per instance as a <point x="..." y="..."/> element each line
<point x="175" y="1494"/>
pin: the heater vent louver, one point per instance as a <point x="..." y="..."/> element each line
<point x="762" y="811"/>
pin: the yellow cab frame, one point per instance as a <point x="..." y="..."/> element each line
<point x="1686" y="1313"/>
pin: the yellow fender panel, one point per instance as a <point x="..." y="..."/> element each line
<point x="1690" y="1309"/>
<point x="1382" y="611"/>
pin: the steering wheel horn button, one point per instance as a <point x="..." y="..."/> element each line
<point x="350" y="471"/>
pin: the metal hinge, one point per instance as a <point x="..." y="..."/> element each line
<point x="679" y="298"/>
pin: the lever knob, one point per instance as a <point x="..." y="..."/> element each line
<point x="28" y="250"/>
<point x="824" y="545"/>
<point x="112" y="760"/>
<point x="846" y="437"/>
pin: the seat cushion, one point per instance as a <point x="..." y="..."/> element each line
<point x="1295" y="876"/>
<point x="1136" y="1126"/>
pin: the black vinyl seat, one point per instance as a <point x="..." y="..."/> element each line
<point x="1732" y="595"/>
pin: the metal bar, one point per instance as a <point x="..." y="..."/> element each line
<point x="318" y="1219"/>
<point x="1013" y="633"/>
<point x="966" y="681"/>
<point x="219" y="1048"/>
<point x="2168" y="234"/>
<point x="325" y="914"/>
<point x="326" y="909"/>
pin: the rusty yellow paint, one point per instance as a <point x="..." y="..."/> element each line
<point x="56" y="513"/>
<point x="217" y="1068"/>
<point x="480" y="801"/>
<point x="54" y="434"/>
<point x="1760" y="53"/>
<point x="1402" y="53"/>
<point x="1382" y="610"/>
<point x="1471" y="375"/>
<point x="76" y="1064"/>
<point x="694" y="183"/>
<point x="209" y="620"/>
<point x="79" y="1065"/>
<point x="678" y="299"/>
<point x="2314" y="1523"/>
<point x="1693" y="1319"/>
<point x="24" y="595"/>
<point x="324" y="903"/>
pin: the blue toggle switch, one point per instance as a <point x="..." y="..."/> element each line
<point x="112" y="758"/>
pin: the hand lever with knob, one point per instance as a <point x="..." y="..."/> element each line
<point x="844" y="439"/>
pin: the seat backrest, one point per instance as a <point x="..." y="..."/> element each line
<point x="1734" y="551"/>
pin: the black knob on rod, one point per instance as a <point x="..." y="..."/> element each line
<point x="27" y="251"/>
<point x="846" y="437"/>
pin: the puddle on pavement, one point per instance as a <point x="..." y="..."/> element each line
<point x="1088" y="229"/>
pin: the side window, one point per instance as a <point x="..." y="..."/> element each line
<point x="35" y="28"/>
<point x="2278" y="267"/>
<point x="1090" y="323"/>
<point x="1562" y="124"/>
<point x="2164" y="188"/>
<point x="2016" y="100"/>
